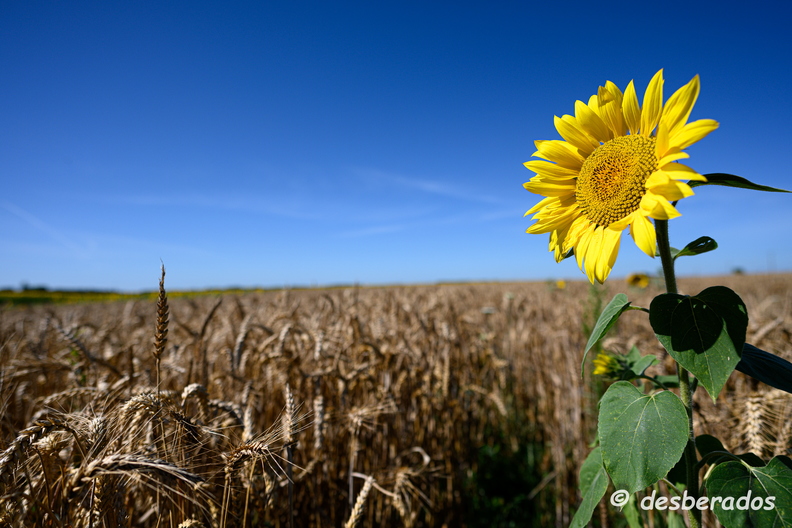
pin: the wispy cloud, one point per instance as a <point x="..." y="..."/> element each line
<point x="438" y="188"/>
<point x="371" y="231"/>
<point x="270" y="205"/>
<point x="44" y="227"/>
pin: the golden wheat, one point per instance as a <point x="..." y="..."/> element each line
<point x="403" y="384"/>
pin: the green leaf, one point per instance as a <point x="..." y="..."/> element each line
<point x="631" y="513"/>
<point x="635" y="364"/>
<point x="642" y="364"/>
<point x="730" y="180"/>
<point x="642" y="435"/>
<point x="707" y="444"/>
<point x="678" y="474"/>
<point x="734" y="481"/>
<point x="675" y="520"/>
<point x="605" y="322"/>
<point x="704" y="333"/>
<point x="697" y="247"/>
<point x="766" y="367"/>
<point x="670" y="381"/>
<point x="593" y="485"/>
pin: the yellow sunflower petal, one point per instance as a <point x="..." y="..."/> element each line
<point x="546" y="188"/>
<point x="643" y="233"/>
<point x="592" y="123"/>
<point x="678" y="171"/>
<point x="583" y="240"/>
<point x="610" y="98"/>
<point x="558" y="219"/>
<point x="579" y="225"/>
<point x="673" y="154"/>
<point x="624" y="223"/>
<point x="559" y="152"/>
<point x="670" y="189"/>
<point x="611" y="240"/>
<point x="574" y="134"/>
<point x="661" y="140"/>
<point x="556" y="244"/>
<point x="631" y="110"/>
<point x="678" y="107"/>
<point x="546" y="168"/>
<point x="547" y="202"/>
<point x="658" y="207"/>
<point x="593" y="254"/>
<point x="692" y="132"/>
<point x="652" y="104"/>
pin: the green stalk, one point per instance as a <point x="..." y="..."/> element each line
<point x="685" y="394"/>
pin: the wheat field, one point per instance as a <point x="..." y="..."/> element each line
<point x="397" y="406"/>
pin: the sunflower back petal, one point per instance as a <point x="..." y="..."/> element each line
<point x="631" y="110"/>
<point x="609" y="98"/>
<point x="678" y="107"/>
<point x="652" y="104"/>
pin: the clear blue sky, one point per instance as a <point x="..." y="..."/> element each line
<point x="313" y="143"/>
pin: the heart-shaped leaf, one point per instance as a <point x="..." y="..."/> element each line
<point x="704" y="333"/>
<point x="752" y="496"/>
<point x="642" y="435"/>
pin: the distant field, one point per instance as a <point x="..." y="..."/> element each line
<point x="449" y="405"/>
<point x="46" y="296"/>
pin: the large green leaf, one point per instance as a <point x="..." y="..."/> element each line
<point x="704" y="333"/>
<point x="730" y="180"/>
<point x="766" y="367"/>
<point x="593" y="485"/>
<point x="605" y="322"/>
<point x="734" y="481"/>
<point x="642" y="435"/>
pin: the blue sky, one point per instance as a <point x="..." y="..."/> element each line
<point x="315" y="143"/>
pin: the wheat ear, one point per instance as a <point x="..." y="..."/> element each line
<point x="161" y="333"/>
<point x="357" y="511"/>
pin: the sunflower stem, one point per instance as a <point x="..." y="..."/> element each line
<point x="664" y="248"/>
<point x="685" y="393"/>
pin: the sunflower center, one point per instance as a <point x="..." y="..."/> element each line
<point x="611" y="182"/>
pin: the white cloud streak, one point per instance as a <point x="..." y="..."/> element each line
<point x="44" y="227"/>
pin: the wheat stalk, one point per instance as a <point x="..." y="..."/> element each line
<point x="161" y="332"/>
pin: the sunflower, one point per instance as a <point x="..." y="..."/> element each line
<point x="617" y="166"/>
<point x="638" y="280"/>
<point x="605" y="365"/>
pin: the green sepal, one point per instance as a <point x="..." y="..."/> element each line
<point x="730" y="180"/>
<point x="637" y="364"/>
<point x="704" y="333"/>
<point x="606" y="320"/>
<point x="642" y="435"/>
